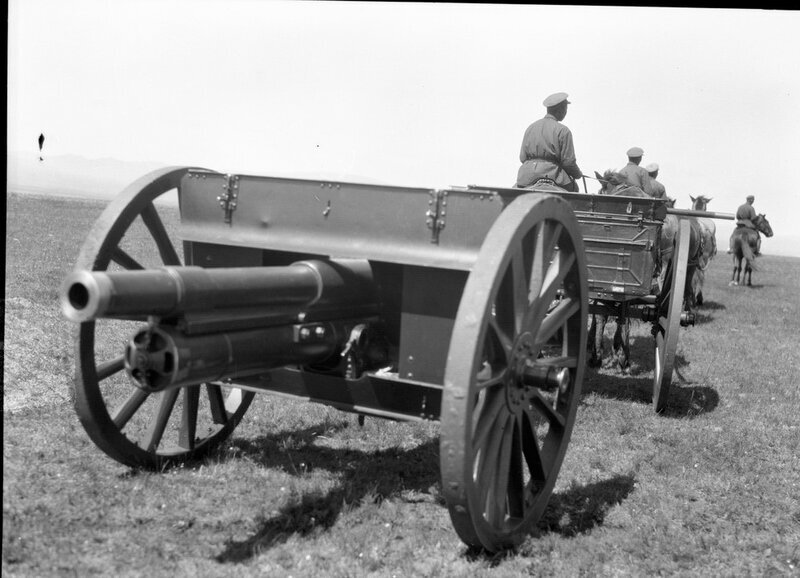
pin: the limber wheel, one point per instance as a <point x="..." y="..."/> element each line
<point x="133" y="427"/>
<point x="667" y="328"/>
<point x="514" y="372"/>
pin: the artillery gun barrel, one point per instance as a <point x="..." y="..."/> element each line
<point x="175" y="291"/>
<point x="215" y="324"/>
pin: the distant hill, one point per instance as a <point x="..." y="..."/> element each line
<point x="72" y="175"/>
<point x="103" y="178"/>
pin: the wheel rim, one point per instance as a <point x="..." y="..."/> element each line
<point x="505" y="431"/>
<point x="667" y="328"/>
<point x="131" y="426"/>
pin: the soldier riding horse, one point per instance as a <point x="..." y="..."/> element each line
<point x="744" y="241"/>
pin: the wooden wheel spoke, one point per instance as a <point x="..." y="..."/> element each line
<point x="188" y="430"/>
<point x="557" y="318"/>
<point x="122" y="415"/>
<point x="497" y="379"/>
<point x="489" y="469"/>
<point x="556" y="273"/>
<point x="123" y="259"/>
<point x="156" y="227"/>
<point x="520" y="275"/>
<point x="109" y="368"/>
<point x="496" y="351"/>
<point x="491" y="410"/>
<point x="548" y="411"/>
<point x="503" y="470"/>
<point x="503" y="307"/>
<point x="159" y="424"/>
<point x="546" y="239"/>
<point x="503" y="338"/>
<point x="516" y="481"/>
<point x="531" y="450"/>
<point x="217" y="403"/>
<point x="554" y="279"/>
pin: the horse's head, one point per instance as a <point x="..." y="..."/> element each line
<point x="612" y="182"/>
<point x="605" y="186"/>
<point x="763" y="225"/>
<point x="700" y="203"/>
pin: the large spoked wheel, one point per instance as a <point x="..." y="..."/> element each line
<point x="667" y="328"/>
<point x="514" y="372"/>
<point x="133" y="427"/>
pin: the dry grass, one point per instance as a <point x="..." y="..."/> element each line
<point x="708" y="488"/>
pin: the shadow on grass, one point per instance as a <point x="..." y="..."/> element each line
<point x="366" y="476"/>
<point x="582" y="508"/>
<point x="379" y="475"/>
<point x="575" y="511"/>
<point x="685" y="399"/>
<point x="703" y="318"/>
<point x="705" y="313"/>
<point x="712" y="306"/>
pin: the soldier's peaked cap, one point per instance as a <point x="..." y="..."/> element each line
<point x="651" y="168"/>
<point x="635" y="152"/>
<point x="555" y="99"/>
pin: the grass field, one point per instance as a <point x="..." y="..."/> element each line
<point x="709" y="488"/>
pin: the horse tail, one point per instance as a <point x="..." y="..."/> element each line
<point x="698" y="279"/>
<point x="747" y="252"/>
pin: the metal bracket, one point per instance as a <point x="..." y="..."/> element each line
<point x="228" y="200"/>
<point x="436" y="214"/>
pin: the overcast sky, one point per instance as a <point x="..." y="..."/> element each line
<point x="416" y="94"/>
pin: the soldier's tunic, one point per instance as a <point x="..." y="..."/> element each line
<point x="659" y="192"/>
<point x="547" y="151"/>
<point x="745" y="215"/>
<point x="638" y="177"/>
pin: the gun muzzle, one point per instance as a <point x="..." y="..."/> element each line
<point x="174" y="291"/>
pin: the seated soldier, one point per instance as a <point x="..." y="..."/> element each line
<point x="659" y="192"/>
<point x="636" y="175"/>
<point x="547" y="150"/>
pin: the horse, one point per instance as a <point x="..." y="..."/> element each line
<point x="708" y="247"/>
<point x="743" y="245"/>
<point x="612" y="183"/>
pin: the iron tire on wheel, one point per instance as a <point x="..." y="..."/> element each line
<point x="523" y="313"/>
<point x="667" y="328"/>
<point x="131" y="426"/>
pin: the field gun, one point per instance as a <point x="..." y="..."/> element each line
<point x="462" y="305"/>
<point x="216" y="324"/>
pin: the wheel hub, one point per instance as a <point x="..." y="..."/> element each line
<point x="521" y="358"/>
